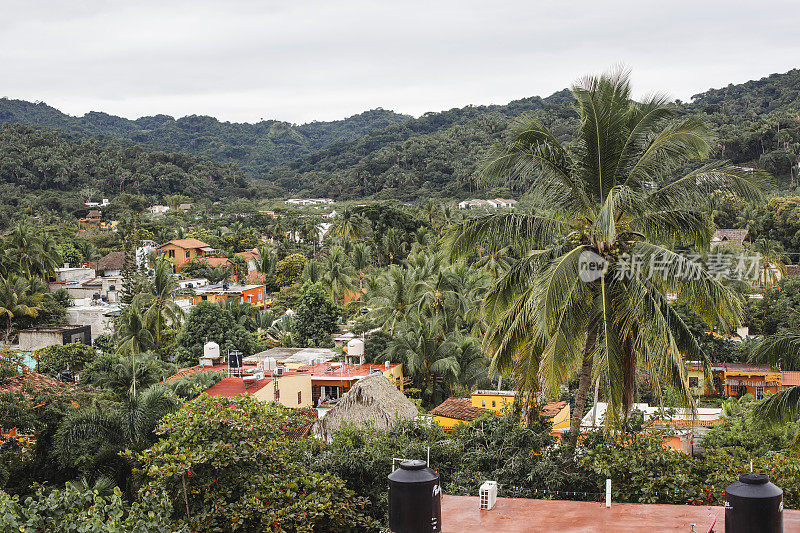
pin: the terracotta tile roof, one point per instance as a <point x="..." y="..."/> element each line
<point x="30" y="380"/>
<point x="743" y="367"/>
<point x="302" y="422"/>
<point x="186" y="244"/>
<point x="549" y="410"/>
<point x="215" y="261"/>
<point x="112" y="261"/>
<point x="230" y="387"/>
<point x="790" y="379"/>
<point x="460" y="409"/>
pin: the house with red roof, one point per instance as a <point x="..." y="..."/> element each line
<point x="330" y="380"/>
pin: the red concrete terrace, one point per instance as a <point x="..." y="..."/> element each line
<point x="517" y="515"/>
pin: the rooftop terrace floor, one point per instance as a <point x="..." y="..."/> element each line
<point x="517" y="515"/>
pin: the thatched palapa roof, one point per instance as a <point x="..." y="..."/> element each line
<point x="373" y="399"/>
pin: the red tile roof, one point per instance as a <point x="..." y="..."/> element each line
<point x="230" y="387"/>
<point x="790" y="379"/>
<point x="215" y="261"/>
<point x="549" y="410"/>
<point x="301" y="423"/>
<point x="743" y="367"/>
<point x="30" y="380"/>
<point x="460" y="409"/>
<point x="186" y="244"/>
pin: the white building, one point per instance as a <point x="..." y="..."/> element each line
<point x="488" y="204"/>
<point x="158" y="209"/>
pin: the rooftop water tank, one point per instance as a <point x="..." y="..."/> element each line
<point x="415" y="499"/>
<point x="211" y="349"/>
<point x="355" y="348"/>
<point x="753" y="504"/>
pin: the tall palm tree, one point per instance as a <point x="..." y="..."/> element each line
<point x="18" y="297"/>
<point x="392" y="296"/>
<point x="781" y="350"/>
<point x="428" y="354"/>
<point x="158" y="302"/>
<point x="349" y="225"/>
<point x="133" y="335"/>
<point x="360" y="258"/>
<point x="337" y="274"/>
<point x="266" y="261"/>
<point x="773" y="261"/>
<point x="611" y="200"/>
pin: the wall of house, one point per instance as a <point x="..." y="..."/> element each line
<point x="495" y="402"/>
<point x="254" y="296"/>
<point x="561" y="420"/>
<point x="92" y="316"/>
<point x="285" y="391"/>
<point x="447" y="423"/>
<point x="30" y="341"/>
<point x="395" y="375"/>
<point x="179" y="255"/>
<point x="750" y="382"/>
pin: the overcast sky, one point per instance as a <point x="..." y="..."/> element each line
<point x="323" y="60"/>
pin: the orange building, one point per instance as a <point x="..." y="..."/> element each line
<point x="740" y="379"/>
<point x="254" y="295"/>
<point x="182" y="250"/>
<point x="332" y="380"/>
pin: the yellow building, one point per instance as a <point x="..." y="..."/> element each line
<point x="290" y="390"/>
<point x="454" y="411"/>
<point x="494" y="400"/>
<point x="557" y="413"/>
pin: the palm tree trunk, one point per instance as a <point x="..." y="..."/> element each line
<point x="583" y="388"/>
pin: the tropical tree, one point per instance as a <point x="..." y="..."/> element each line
<point x="773" y="261"/>
<point x="392" y="295"/>
<point x="337" y="274"/>
<point x="588" y="296"/>
<point x="133" y="335"/>
<point x="349" y="225"/>
<point x="781" y="350"/>
<point x="158" y="302"/>
<point x="428" y="354"/>
<point x="360" y="258"/>
<point x="17" y="299"/>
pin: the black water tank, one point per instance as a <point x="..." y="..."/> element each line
<point x="415" y="499"/>
<point x="753" y="504"/>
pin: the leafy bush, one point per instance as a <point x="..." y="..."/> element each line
<point x="316" y="317"/>
<point x="240" y="473"/>
<point x="12" y="363"/>
<point x="289" y="269"/>
<point x="70" y="509"/>
<point x="55" y="358"/>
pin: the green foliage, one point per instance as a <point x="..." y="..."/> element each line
<point x="239" y="472"/>
<point x="76" y="161"/>
<point x="72" y="509"/>
<point x="12" y="363"/>
<point x="55" y="358"/>
<point x="253" y="147"/>
<point x="289" y="269"/>
<point x="316" y="318"/>
<point x="211" y="322"/>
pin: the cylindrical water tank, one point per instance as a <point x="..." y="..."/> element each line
<point x="415" y="499"/>
<point x="753" y="504"/>
<point x="355" y="348"/>
<point x="211" y="349"/>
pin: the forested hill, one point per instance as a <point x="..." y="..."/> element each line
<point x="254" y="147"/>
<point x="43" y="170"/>
<point x="758" y="123"/>
<point x="382" y="154"/>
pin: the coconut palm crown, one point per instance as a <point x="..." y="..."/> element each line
<point x="609" y="198"/>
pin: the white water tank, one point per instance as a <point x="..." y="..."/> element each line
<point x="488" y="495"/>
<point x="211" y="350"/>
<point x="269" y="363"/>
<point x="355" y="348"/>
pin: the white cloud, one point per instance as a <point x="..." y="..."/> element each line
<point x="247" y="60"/>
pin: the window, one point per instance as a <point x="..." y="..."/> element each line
<point x="204" y="298"/>
<point x="483" y="403"/>
<point x="494" y="403"/>
<point x="759" y="393"/>
<point x="694" y="382"/>
<point x="299" y="397"/>
<point x="171" y="253"/>
<point x="188" y="254"/>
